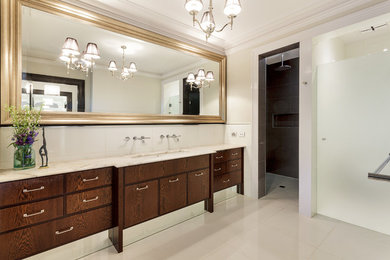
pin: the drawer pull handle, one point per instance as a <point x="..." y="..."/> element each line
<point x="143" y="188"/>
<point x="90" y="200"/>
<point x="217" y="170"/>
<point x="199" y="174"/>
<point x="228" y="180"/>
<point x="219" y="157"/>
<point x="234" y="154"/>
<point x="235" y="165"/>
<point x="93" y="179"/>
<point x="27" y="191"/>
<point x="175" y="180"/>
<point x="64" y="231"/>
<point x="25" y="215"/>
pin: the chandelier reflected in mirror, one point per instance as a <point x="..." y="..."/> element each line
<point x="71" y="56"/>
<point x="126" y="72"/>
<point x="207" y="23"/>
<point x="200" y="80"/>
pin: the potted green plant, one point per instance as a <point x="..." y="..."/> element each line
<point x="25" y="122"/>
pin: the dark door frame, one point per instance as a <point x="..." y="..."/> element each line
<point x="262" y="124"/>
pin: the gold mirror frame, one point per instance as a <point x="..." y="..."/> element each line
<point x="11" y="66"/>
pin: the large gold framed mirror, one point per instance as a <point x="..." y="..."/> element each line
<point x="81" y="67"/>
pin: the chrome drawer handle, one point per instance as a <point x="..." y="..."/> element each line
<point x="217" y="170"/>
<point x="64" y="231"/>
<point x="86" y="201"/>
<point x="93" y="179"/>
<point x="175" y="180"/>
<point x="219" y="157"/>
<point x="25" y="215"/>
<point x="199" y="174"/>
<point x="143" y="188"/>
<point x="234" y="165"/>
<point x="226" y="181"/>
<point x="234" y="154"/>
<point x="27" y="191"/>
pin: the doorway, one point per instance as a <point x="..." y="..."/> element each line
<point x="278" y="118"/>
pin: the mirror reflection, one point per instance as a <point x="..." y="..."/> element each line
<point x="72" y="66"/>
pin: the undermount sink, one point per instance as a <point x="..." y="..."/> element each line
<point x="158" y="154"/>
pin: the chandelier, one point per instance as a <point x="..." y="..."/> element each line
<point x="126" y="73"/>
<point x="200" y="80"/>
<point x="71" y="56"/>
<point x="207" y="23"/>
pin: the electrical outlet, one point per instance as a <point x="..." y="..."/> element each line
<point x="241" y="134"/>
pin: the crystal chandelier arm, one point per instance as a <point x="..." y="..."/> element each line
<point x="196" y="21"/>
<point x="227" y="24"/>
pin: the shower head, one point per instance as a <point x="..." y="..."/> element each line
<point x="283" y="67"/>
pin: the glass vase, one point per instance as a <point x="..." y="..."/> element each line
<point x="24" y="157"/>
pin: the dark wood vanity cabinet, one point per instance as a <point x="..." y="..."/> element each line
<point x="141" y="202"/>
<point x="42" y="213"/>
<point x="229" y="169"/>
<point x="155" y="189"/>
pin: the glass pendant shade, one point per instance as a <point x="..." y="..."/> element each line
<point x="132" y="67"/>
<point x="193" y="6"/>
<point x="191" y="78"/>
<point x="70" y="47"/>
<point x="201" y="75"/>
<point x="209" y="76"/>
<point x="232" y="8"/>
<point x="125" y="73"/>
<point x="92" y="52"/>
<point x="112" y="66"/>
<point x="208" y="22"/>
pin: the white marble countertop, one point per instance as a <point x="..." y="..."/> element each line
<point x="119" y="161"/>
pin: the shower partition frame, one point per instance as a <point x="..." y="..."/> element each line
<point x="262" y="119"/>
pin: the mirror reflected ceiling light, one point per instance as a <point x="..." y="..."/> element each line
<point x="70" y="55"/>
<point x="207" y="23"/>
<point x="126" y="73"/>
<point x="200" y="80"/>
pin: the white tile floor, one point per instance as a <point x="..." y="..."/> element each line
<point x="269" y="228"/>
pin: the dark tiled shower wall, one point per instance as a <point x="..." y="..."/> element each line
<point x="282" y="110"/>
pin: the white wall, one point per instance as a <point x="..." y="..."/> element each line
<point x="139" y="94"/>
<point x="246" y="60"/>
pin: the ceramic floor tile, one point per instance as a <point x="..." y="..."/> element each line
<point x="269" y="229"/>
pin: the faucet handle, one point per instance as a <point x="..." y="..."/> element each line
<point x="126" y="139"/>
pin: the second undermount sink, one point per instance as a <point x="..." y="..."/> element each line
<point x="158" y="154"/>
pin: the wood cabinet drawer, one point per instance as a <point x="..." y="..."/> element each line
<point x="143" y="172"/>
<point x="16" y="192"/>
<point x="198" y="186"/>
<point x="198" y="162"/>
<point x="175" y="166"/>
<point x="219" y="168"/>
<point x="88" y="179"/>
<point x="173" y="193"/>
<point x="29" y="241"/>
<point x="233" y="165"/>
<point x="227" y="180"/>
<point x="141" y="202"/>
<point x="88" y="200"/>
<point x="32" y="213"/>
<point x="219" y="157"/>
<point x="233" y="154"/>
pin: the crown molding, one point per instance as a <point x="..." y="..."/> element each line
<point x="153" y="21"/>
<point x="305" y="19"/>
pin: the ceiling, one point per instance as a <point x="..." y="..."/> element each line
<point x="45" y="42"/>
<point x="257" y="18"/>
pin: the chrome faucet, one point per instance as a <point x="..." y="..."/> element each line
<point x="174" y="137"/>
<point x="142" y="138"/>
